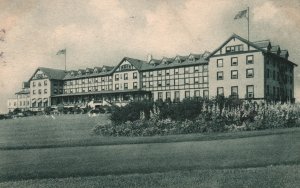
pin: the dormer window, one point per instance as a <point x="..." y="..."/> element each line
<point x="191" y="58"/>
<point x="95" y="70"/>
<point x="104" y="69"/>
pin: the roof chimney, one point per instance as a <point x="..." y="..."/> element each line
<point x="149" y="58"/>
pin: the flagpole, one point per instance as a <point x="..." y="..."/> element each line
<point x="65" y="59"/>
<point x="248" y="26"/>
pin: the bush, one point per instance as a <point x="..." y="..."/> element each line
<point x="131" y="112"/>
<point x="197" y="116"/>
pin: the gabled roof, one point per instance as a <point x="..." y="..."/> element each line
<point x="196" y="56"/>
<point x="253" y="45"/>
<point x="154" y="62"/>
<point x="107" y="68"/>
<point x="22" y="92"/>
<point x="52" y="74"/>
<point x="263" y="43"/>
<point x="284" y="54"/>
<point x="138" y="64"/>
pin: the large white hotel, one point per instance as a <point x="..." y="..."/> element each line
<point x="257" y="70"/>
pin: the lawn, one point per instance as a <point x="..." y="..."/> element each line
<point x="270" y="176"/>
<point x="75" y="130"/>
<point x="35" y="150"/>
<point x="153" y="157"/>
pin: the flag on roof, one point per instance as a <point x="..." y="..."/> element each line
<point x="241" y="14"/>
<point x="63" y="51"/>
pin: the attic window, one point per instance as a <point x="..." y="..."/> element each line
<point x="235" y="48"/>
<point x="79" y="72"/>
<point x="95" y="71"/>
<point x="104" y="69"/>
<point x="125" y="67"/>
<point x="72" y="73"/>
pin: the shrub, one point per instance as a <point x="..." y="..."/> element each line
<point x="193" y="115"/>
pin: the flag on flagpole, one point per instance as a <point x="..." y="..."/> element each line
<point x="63" y="51"/>
<point x="241" y="14"/>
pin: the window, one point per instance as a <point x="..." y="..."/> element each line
<point x="234" y="61"/>
<point x="249" y="59"/>
<point x="177" y="71"/>
<point x="45" y="91"/>
<point x="117" y="86"/>
<point x="268" y="90"/>
<point x="168" y="95"/>
<point x="197" y="93"/>
<point x="40" y="91"/>
<point x="33" y="92"/>
<point x="220" y="75"/>
<point x="160" y="95"/>
<point x="205" y="68"/>
<point x="134" y="75"/>
<point x="159" y="73"/>
<point x="186" y="69"/>
<point x="187" y="94"/>
<point x="125" y="85"/>
<point x="45" y="82"/>
<point x="268" y="73"/>
<point x="205" y="79"/>
<point x="196" y="80"/>
<point x="234" y="74"/>
<point x="39" y="84"/>
<point x="187" y="81"/>
<point x="144" y="75"/>
<point x="159" y="83"/>
<point x="125" y="76"/>
<point x="249" y="73"/>
<point x="167" y="82"/>
<point x="33" y="84"/>
<point x="134" y="85"/>
<point x="250" y="91"/>
<point x="220" y="90"/>
<point x="234" y="91"/>
<point x="151" y="74"/>
<point x="274" y="75"/>
<point x="116" y="77"/>
<point x="219" y="62"/>
<point x="196" y="69"/>
<point x="167" y="72"/>
<point x="235" y="48"/>
<point x="125" y="67"/>
<point x="177" y="96"/>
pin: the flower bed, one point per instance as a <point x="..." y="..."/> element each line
<point x="206" y="116"/>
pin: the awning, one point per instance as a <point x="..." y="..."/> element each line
<point x="39" y="100"/>
<point x="45" y="100"/>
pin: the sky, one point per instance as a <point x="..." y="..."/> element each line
<point x="102" y="32"/>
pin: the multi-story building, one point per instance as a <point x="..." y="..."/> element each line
<point x="255" y="70"/>
<point x="237" y="68"/>
<point x="44" y="83"/>
<point x="22" y="99"/>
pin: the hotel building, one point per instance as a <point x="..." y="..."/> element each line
<point x="256" y="70"/>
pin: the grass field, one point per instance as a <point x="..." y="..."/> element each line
<point x="75" y="130"/>
<point x="271" y="176"/>
<point x="249" y="159"/>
